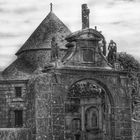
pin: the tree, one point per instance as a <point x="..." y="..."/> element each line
<point x="128" y="62"/>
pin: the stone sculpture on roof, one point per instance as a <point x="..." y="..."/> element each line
<point x="112" y="48"/>
<point x="102" y="46"/>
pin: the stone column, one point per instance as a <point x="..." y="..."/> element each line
<point x="83" y="121"/>
<point x="83" y="118"/>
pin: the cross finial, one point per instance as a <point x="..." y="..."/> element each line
<point x="51" y="7"/>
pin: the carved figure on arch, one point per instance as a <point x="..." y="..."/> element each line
<point x="102" y="46"/>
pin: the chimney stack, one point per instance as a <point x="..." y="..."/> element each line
<point x="85" y="16"/>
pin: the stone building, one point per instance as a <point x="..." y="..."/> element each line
<point x="63" y="87"/>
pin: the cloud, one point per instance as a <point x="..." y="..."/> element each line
<point x="24" y="10"/>
<point x="127" y="0"/>
<point x="5" y="35"/>
<point x="19" y="10"/>
<point x="117" y="22"/>
<point x="2" y="2"/>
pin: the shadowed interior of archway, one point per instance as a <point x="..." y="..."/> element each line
<point x="88" y="112"/>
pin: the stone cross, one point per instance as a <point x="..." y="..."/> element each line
<point x="51" y="5"/>
<point x="85" y="16"/>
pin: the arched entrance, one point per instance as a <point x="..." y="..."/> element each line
<point x="88" y="112"/>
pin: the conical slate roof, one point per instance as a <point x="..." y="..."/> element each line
<point x="41" y="38"/>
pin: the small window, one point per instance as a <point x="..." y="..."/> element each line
<point x="18" y="91"/>
<point x="18" y="118"/>
<point x="76" y="124"/>
<point x="94" y="120"/>
<point x="77" y="137"/>
<point x="88" y="55"/>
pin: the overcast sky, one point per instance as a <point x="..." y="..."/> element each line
<point x="117" y="19"/>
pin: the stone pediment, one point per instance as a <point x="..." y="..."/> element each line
<point x="84" y="50"/>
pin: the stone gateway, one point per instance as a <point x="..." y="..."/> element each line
<point x="62" y="87"/>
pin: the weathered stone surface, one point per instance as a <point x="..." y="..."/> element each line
<point x="9" y="102"/>
<point x="15" y="134"/>
<point x="49" y="94"/>
<point x="85" y="16"/>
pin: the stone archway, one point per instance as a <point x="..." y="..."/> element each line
<point x="88" y="112"/>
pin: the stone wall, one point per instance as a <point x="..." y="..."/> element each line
<point x="15" y="134"/>
<point x="136" y="129"/>
<point x="43" y="102"/>
<point x="117" y="85"/>
<point x="50" y="91"/>
<point x="136" y="120"/>
<point x="48" y="106"/>
<point x="39" y="107"/>
<point x="9" y="102"/>
<point x="30" y="113"/>
<point x="3" y="107"/>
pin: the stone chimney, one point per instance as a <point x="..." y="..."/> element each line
<point x="85" y="16"/>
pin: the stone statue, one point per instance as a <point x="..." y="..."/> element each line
<point x="85" y="16"/>
<point x="102" y="46"/>
<point x="54" y="50"/>
<point x="112" y="48"/>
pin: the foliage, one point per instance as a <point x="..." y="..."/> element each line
<point x="128" y="62"/>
